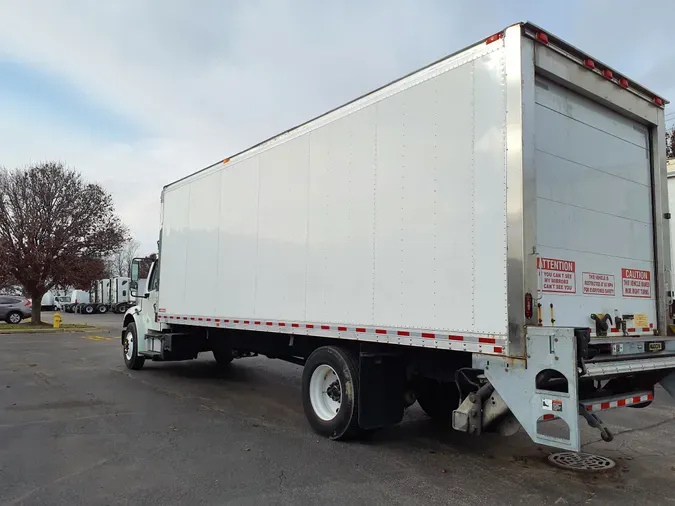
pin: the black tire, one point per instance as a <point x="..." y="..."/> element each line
<point x="89" y="309"/>
<point x="14" y="317"/>
<point x="438" y="400"/>
<point x="345" y="424"/>
<point x="103" y="309"/>
<point x="132" y="360"/>
<point x="223" y="355"/>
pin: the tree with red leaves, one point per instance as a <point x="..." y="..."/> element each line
<point x="56" y="229"/>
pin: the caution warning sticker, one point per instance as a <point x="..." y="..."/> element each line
<point x="636" y="283"/>
<point x="598" y="284"/>
<point x="557" y="276"/>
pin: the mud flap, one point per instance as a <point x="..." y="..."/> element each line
<point x="382" y="384"/>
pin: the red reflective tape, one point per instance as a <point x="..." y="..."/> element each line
<point x="235" y="321"/>
<point x="184" y="317"/>
<point x="269" y="324"/>
<point x="604" y="405"/>
<point x="294" y="325"/>
<point x="281" y="324"/>
<point x="256" y="323"/>
<point x="589" y="407"/>
<point x="309" y="326"/>
<point x="651" y="325"/>
<point x="246" y="322"/>
<point x="486" y="340"/>
<point x="217" y="319"/>
<point x="403" y="333"/>
<point x="614" y="329"/>
<point x="621" y="402"/>
<point x="360" y="329"/>
<point x="456" y="338"/>
<point x="342" y="329"/>
<point x="192" y="317"/>
<point x="208" y="319"/>
<point x="636" y="400"/>
<point x="200" y="319"/>
<point x="380" y="331"/>
<point x="650" y="397"/>
<point x="171" y="317"/>
<point x="325" y="327"/>
<point x="630" y="330"/>
<point x="645" y="329"/>
<point x="549" y="417"/>
<point x="498" y="349"/>
<point x="428" y="335"/>
<point x="226" y="321"/>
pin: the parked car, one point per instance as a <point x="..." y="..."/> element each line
<point x="14" y="309"/>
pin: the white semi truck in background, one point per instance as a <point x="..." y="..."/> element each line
<point x="487" y="236"/>
<point x="108" y="295"/>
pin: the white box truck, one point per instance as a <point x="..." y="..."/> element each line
<point x="486" y="236"/>
<point x="109" y="295"/>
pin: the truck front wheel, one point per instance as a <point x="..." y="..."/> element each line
<point x="130" y="348"/>
<point x="330" y="392"/>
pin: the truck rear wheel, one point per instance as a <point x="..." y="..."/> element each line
<point x="330" y="392"/>
<point x="102" y="309"/>
<point x="223" y="355"/>
<point x="437" y="399"/>
<point x="89" y="309"/>
<point x="130" y="348"/>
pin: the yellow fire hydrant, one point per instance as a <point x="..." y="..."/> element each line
<point x="57" y="320"/>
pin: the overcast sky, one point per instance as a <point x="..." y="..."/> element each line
<point x="137" y="93"/>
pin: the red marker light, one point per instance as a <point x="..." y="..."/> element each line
<point x="494" y="38"/>
<point x="542" y="37"/>
<point x="623" y="82"/>
<point x="589" y="63"/>
<point x="528" y="305"/>
<point x="608" y="74"/>
<point x="658" y="101"/>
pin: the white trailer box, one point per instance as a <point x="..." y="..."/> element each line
<point x="48" y="301"/>
<point x="119" y="289"/>
<point x="503" y="199"/>
<point x="391" y="212"/>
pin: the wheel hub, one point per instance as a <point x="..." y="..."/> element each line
<point x="129" y="345"/>
<point x="333" y="391"/>
<point x="325" y="392"/>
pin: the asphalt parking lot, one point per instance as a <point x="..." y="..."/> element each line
<point x="77" y="427"/>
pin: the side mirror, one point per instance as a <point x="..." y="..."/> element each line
<point x="135" y="272"/>
<point x="135" y="275"/>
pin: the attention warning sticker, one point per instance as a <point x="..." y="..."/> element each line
<point x="558" y="276"/>
<point x="636" y="283"/>
<point x="598" y="284"/>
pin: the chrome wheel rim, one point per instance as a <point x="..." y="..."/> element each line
<point x="129" y="345"/>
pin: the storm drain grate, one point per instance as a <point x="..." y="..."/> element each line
<point x="581" y="461"/>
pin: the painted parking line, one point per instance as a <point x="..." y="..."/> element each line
<point x="97" y="338"/>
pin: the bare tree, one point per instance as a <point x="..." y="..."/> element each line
<point x="55" y="229"/>
<point x="670" y="143"/>
<point x="119" y="263"/>
<point x="146" y="263"/>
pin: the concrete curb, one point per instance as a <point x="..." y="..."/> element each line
<point x="48" y="330"/>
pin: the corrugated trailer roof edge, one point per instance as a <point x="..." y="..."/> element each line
<point x="524" y="24"/>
